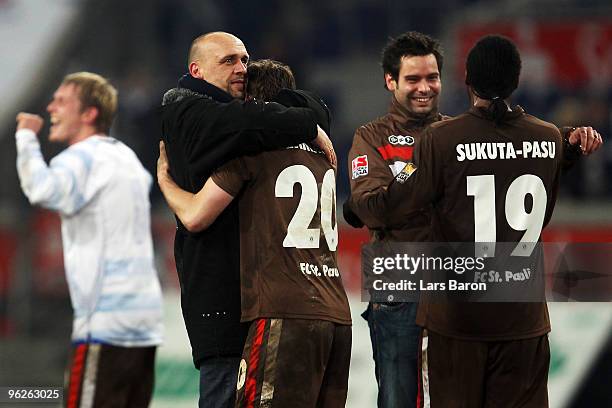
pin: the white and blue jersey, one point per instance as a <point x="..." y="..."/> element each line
<point x="101" y="191"/>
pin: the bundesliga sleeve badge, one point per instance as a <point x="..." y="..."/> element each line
<point x="360" y="166"/>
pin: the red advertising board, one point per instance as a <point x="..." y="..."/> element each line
<point x="570" y="53"/>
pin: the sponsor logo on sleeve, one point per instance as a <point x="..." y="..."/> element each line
<point x="360" y="166"/>
<point x="397" y="167"/>
<point x="400" y="140"/>
<point x="405" y="173"/>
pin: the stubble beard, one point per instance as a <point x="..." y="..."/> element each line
<point x="421" y="111"/>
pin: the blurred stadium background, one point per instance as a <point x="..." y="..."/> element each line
<point x="333" y="48"/>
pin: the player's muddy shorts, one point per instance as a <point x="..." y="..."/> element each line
<point x="483" y="374"/>
<point x="294" y="363"/>
<point x="101" y="375"/>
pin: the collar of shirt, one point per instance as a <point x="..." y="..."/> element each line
<point x="409" y="119"/>
<point x="205" y="88"/>
<point x="481" y="112"/>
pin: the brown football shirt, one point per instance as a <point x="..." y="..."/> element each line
<point x="487" y="183"/>
<point x="288" y="235"/>
<point x="380" y="150"/>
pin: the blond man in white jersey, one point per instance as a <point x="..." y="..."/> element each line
<point x="101" y="191"/>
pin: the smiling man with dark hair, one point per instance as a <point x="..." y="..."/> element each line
<point x="412" y="70"/>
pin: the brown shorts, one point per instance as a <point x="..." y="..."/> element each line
<point x="101" y="375"/>
<point x="483" y="374"/>
<point x="294" y="363"/>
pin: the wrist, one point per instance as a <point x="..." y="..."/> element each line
<point x="572" y="150"/>
<point x="569" y="138"/>
<point x="26" y="139"/>
<point x="25" y="132"/>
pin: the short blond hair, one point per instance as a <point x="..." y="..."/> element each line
<point x="95" y="91"/>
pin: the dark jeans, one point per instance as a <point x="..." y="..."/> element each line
<point x="395" y="342"/>
<point x="218" y="378"/>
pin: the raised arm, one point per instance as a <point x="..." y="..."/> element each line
<point x="61" y="186"/>
<point x="196" y="211"/>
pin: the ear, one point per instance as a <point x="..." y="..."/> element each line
<point x="90" y="115"/>
<point x="391" y="83"/>
<point x="194" y="70"/>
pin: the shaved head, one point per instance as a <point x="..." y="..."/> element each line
<point x="220" y="58"/>
<point x="202" y="44"/>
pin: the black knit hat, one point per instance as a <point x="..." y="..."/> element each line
<point x="493" y="67"/>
